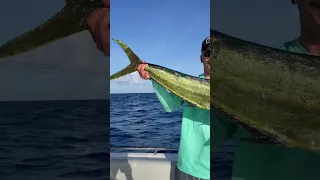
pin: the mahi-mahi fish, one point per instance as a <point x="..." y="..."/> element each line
<point x="194" y="90"/>
<point x="70" y="20"/>
<point x="273" y="94"/>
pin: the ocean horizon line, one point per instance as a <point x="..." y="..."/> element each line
<point x="61" y="100"/>
<point x="135" y="93"/>
<point x="49" y="100"/>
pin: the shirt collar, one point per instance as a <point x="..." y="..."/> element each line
<point x="202" y="76"/>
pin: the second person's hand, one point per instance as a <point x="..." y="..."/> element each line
<point x="143" y="73"/>
<point x="99" y="27"/>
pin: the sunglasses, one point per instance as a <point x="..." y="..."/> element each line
<point x="206" y="53"/>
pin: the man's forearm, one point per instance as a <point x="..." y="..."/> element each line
<point x="169" y="101"/>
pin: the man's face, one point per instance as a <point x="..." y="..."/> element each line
<point x="205" y="59"/>
<point x="310" y="11"/>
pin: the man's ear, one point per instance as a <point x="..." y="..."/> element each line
<point x="201" y="58"/>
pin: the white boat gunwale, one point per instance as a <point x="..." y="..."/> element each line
<point x="132" y="164"/>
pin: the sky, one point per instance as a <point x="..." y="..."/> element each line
<point x="68" y="69"/>
<point x="269" y="23"/>
<point x="168" y="33"/>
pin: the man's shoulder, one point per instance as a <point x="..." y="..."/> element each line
<point x="202" y="76"/>
<point x="290" y="44"/>
<point x="294" y="46"/>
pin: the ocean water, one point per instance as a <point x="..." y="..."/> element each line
<point x="139" y="121"/>
<point x="54" y="140"/>
<point x="69" y="139"/>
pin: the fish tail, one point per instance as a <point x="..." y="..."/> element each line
<point x="70" y="20"/>
<point x="134" y="61"/>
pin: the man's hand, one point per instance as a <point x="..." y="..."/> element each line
<point x="143" y="73"/>
<point x="99" y="27"/>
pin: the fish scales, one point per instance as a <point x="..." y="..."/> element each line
<point x="192" y="89"/>
<point x="274" y="94"/>
<point x="70" y="20"/>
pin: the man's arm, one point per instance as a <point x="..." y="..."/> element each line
<point x="169" y="101"/>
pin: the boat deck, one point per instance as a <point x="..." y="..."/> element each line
<point x="142" y="166"/>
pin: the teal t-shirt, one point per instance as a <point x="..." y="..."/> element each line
<point x="267" y="162"/>
<point x="194" y="150"/>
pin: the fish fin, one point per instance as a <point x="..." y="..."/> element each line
<point x="70" y="20"/>
<point x="134" y="61"/>
<point x="262" y="140"/>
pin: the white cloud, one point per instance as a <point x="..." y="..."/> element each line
<point x="133" y="78"/>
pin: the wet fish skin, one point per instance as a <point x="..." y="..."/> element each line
<point x="272" y="93"/>
<point x="70" y="20"/>
<point x="194" y="90"/>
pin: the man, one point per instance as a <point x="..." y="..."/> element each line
<point x="267" y="162"/>
<point x="194" y="151"/>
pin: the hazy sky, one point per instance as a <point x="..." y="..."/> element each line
<point x="269" y="23"/>
<point x="168" y="33"/>
<point x="67" y="69"/>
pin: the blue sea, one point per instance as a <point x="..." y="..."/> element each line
<point x="69" y="139"/>
<point x="139" y="120"/>
<point x="53" y="140"/>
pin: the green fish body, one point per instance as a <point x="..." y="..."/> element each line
<point x="192" y="89"/>
<point x="273" y="94"/>
<point x="70" y="20"/>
